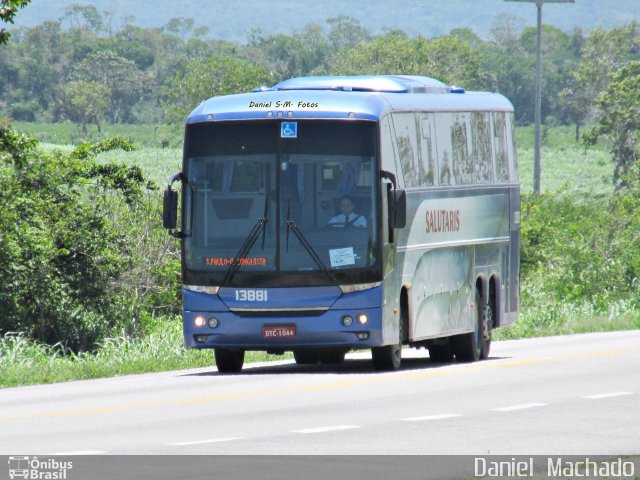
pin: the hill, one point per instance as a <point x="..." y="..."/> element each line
<point x="232" y="20"/>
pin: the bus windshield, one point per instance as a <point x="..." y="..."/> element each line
<point x="278" y="210"/>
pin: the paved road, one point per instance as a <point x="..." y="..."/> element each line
<point x="550" y="396"/>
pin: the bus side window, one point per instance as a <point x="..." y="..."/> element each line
<point x="463" y="165"/>
<point x="443" y="147"/>
<point x="427" y="151"/>
<point x="500" y="143"/>
<point x="407" y="145"/>
<point x="511" y="142"/>
<point x="389" y="156"/>
<point x="481" y="147"/>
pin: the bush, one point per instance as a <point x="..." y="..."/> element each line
<point x="582" y="250"/>
<point x="72" y="231"/>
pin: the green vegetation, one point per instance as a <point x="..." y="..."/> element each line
<point x="8" y="10"/>
<point x="67" y="133"/>
<point x="83" y="69"/>
<point x="24" y="361"/>
<point x="91" y="283"/>
<point x="577" y="269"/>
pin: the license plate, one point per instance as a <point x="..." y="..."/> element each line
<point x="278" y="331"/>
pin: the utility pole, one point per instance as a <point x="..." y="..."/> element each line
<point x="538" y="89"/>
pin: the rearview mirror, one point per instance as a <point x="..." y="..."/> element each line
<point x="399" y="217"/>
<point x="170" y="209"/>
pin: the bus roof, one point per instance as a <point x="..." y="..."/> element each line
<point x="367" y="97"/>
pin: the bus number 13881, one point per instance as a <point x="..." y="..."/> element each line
<point x="246" y="295"/>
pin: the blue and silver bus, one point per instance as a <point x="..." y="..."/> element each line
<point x="326" y="214"/>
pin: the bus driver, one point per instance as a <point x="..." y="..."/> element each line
<point x="348" y="218"/>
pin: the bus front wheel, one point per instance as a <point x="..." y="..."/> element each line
<point x="229" y="361"/>
<point x="387" y="358"/>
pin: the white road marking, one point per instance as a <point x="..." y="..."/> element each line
<point x="335" y="428"/>
<point x="607" y="395"/>
<point x="202" y="442"/>
<point x="523" y="406"/>
<point x="432" y="417"/>
<point x="79" y="452"/>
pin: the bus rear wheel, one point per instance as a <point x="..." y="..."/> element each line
<point x="474" y="346"/>
<point x="229" y="361"/>
<point x="486" y="327"/>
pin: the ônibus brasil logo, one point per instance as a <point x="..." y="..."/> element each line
<point x="35" y="469"/>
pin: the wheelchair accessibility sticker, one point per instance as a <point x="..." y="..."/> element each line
<point x="289" y="130"/>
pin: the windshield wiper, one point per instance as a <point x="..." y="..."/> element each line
<point x="291" y="225"/>
<point x="260" y="225"/>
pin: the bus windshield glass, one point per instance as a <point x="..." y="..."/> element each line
<point x="281" y="207"/>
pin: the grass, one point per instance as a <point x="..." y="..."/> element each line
<point x="24" y="361"/>
<point x="158" y="164"/>
<point x="69" y="134"/>
<point x="566" y="166"/>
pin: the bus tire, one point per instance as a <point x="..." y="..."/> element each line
<point x="487" y="331"/>
<point x="229" y="361"/>
<point x="389" y="357"/>
<point x="468" y="346"/>
<point x="306" y="357"/>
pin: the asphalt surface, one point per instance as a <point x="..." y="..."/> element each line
<point x="576" y="394"/>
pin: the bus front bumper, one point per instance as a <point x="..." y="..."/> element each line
<point x="348" y="329"/>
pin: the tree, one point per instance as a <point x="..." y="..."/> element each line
<point x="619" y="120"/>
<point x="125" y="80"/>
<point x="8" y="10"/>
<point x="180" y="26"/>
<point x="558" y="63"/>
<point x="574" y="105"/>
<point x="447" y="58"/>
<point x="41" y="61"/>
<point x="511" y="58"/>
<point x="85" y="17"/>
<point x="605" y="52"/>
<point x="292" y="55"/>
<point x="346" y="32"/>
<point x="60" y="249"/>
<point x="84" y="102"/>
<point x="200" y="79"/>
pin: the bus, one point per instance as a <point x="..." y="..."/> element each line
<point x="432" y="260"/>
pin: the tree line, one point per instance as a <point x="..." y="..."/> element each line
<point x="78" y="68"/>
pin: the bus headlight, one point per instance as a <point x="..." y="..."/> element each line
<point x="213" y="322"/>
<point x="347" y="320"/>
<point x="199" y="321"/>
<point x="363" y="318"/>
